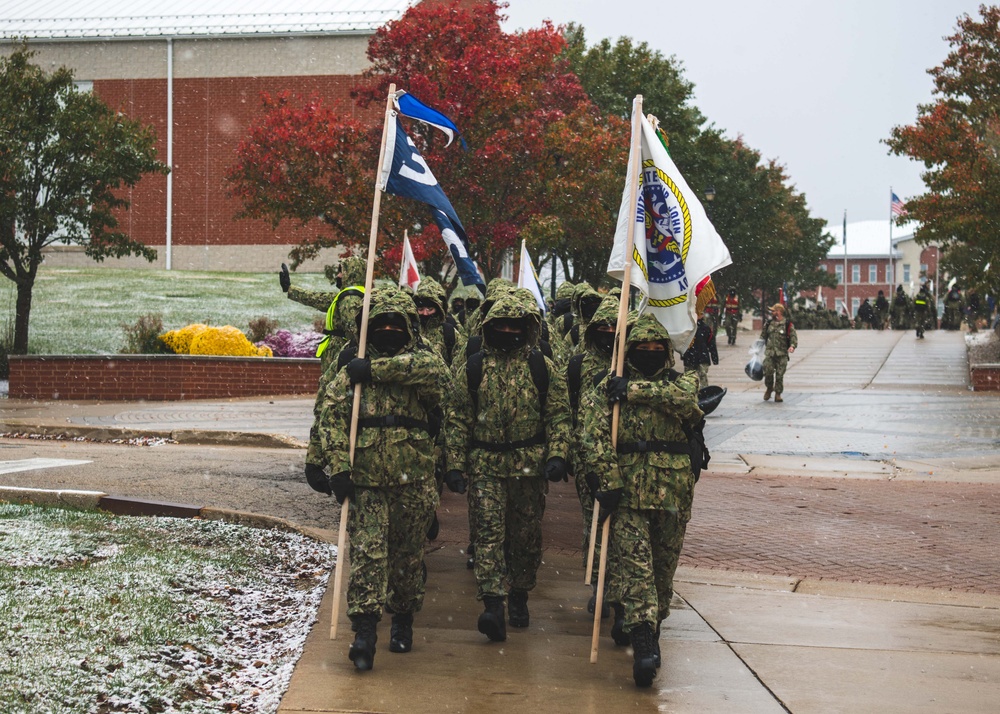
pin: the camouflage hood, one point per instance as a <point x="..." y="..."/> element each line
<point x="516" y="303"/>
<point x="648" y="329"/>
<point x="353" y="270"/>
<point x="496" y="288"/>
<point x="606" y="314"/>
<point x="584" y="293"/>
<point x="431" y="289"/>
<point x="566" y="289"/>
<point x="390" y="299"/>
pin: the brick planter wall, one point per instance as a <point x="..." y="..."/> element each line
<point x="984" y="377"/>
<point x="158" y="377"/>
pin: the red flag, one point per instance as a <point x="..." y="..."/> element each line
<point x="408" y="275"/>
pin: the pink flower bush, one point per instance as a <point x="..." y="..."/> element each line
<point x="292" y="344"/>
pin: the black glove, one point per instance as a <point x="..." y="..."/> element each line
<point x="609" y="501"/>
<point x="555" y="469"/>
<point x="283" y="279"/>
<point x="360" y="370"/>
<point x="317" y="479"/>
<point x="342" y="486"/>
<point x="455" y="481"/>
<point x="593" y="483"/>
<point x="617" y="388"/>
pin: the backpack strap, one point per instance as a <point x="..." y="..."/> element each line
<point x="474" y="345"/>
<point x="449" y="340"/>
<point x="574" y="377"/>
<point x="539" y="375"/>
<point x="474" y="375"/>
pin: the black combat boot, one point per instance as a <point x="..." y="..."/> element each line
<point x="618" y="633"/>
<point x="643" y="665"/>
<point x="592" y="605"/>
<point x="518" y="608"/>
<point x="434" y="528"/>
<point x="471" y="552"/>
<point x="362" y="651"/>
<point x="492" y="621"/>
<point x="401" y="634"/>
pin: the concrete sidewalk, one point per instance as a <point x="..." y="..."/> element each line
<point x="877" y="407"/>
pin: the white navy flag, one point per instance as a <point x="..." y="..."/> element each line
<point x="676" y="246"/>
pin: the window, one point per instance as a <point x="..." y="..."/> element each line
<point x="923" y="268"/>
<point x="888" y="273"/>
<point x="839" y="271"/>
<point x="855" y="304"/>
<point x="873" y="274"/>
<point x="855" y="273"/>
<point x="838" y="305"/>
<point x="906" y="272"/>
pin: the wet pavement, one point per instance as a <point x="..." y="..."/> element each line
<point x="841" y="555"/>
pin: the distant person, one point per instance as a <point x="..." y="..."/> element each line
<point x="866" y="316"/>
<point x="973" y="309"/>
<point x="881" y="310"/>
<point x="733" y="316"/>
<point x="899" y="314"/>
<point x="954" y="307"/>
<point x="921" y="310"/>
<point x="780" y="341"/>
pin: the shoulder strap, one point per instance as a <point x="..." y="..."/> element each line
<point x="474" y="345"/>
<point x="539" y="375"/>
<point x="449" y="340"/>
<point x="574" y="377"/>
<point x="574" y="333"/>
<point x="474" y="376"/>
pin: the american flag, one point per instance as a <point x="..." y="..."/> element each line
<point x="897" y="207"/>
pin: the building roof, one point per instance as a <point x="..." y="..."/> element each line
<point x="868" y="238"/>
<point x="110" y="19"/>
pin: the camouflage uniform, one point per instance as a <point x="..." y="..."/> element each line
<point x="954" y="308"/>
<point x="393" y="469"/>
<point x="779" y="336"/>
<point x="899" y="312"/>
<point x="922" y="310"/>
<point x="502" y="443"/>
<point x="435" y="329"/>
<point x="733" y="316"/>
<point x="653" y="468"/>
<point x="463" y="301"/>
<point x="586" y="300"/>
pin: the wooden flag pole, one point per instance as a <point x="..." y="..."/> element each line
<point x="634" y="167"/>
<point x="338" y="575"/>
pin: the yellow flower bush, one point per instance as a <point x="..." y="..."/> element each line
<point x="201" y="339"/>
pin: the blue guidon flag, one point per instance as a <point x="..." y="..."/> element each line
<point x="404" y="173"/>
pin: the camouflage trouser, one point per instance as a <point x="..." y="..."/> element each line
<point x="702" y="375"/>
<point x="387" y="528"/>
<point x="731" y="323"/>
<point x="774" y="373"/>
<point x="646" y="546"/>
<point x="506" y="514"/>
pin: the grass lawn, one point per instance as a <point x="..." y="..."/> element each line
<point x="81" y="311"/>
<point x="115" y="614"/>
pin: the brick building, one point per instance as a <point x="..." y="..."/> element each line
<point x="870" y="266"/>
<point x="194" y="73"/>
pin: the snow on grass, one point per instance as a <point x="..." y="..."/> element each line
<point x="115" y="614"/>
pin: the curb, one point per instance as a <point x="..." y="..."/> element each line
<point x="196" y="437"/>
<point x="122" y="506"/>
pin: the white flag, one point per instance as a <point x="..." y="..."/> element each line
<point x="527" y="278"/>
<point x="676" y="246"/>
<point x="408" y="275"/>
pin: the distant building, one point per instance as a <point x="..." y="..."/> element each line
<point x="870" y="266"/>
<point x="194" y="72"/>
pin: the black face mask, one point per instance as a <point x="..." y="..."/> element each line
<point x="388" y="342"/>
<point x="471" y="305"/>
<point x="505" y="341"/>
<point x="604" y="341"/>
<point x="648" y="362"/>
<point x="588" y="308"/>
<point x="561" y="307"/>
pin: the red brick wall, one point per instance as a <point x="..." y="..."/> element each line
<point x="158" y="377"/>
<point x="210" y="117"/>
<point x="985" y="379"/>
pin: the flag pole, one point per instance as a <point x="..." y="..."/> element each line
<point x="846" y="308"/>
<point x="362" y="340"/>
<point x="890" y="269"/>
<point x="634" y="165"/>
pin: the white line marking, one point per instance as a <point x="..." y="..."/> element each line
<point x="9" y="467"/>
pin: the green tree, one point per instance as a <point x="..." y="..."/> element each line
<point x="957" y="138"/>
<point x="64" y="156"/>
<point x="765" y="223"/>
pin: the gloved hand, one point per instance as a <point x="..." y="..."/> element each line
<point x="455" y="481"/>
<point x="609" y="501"/>
<point x="360" y="370"/>
<point x="617" y="388"/>
<point x="283" y="279"/>
<point x="593" y="483"/>
<point x="555" y="469"/>
<point x="342" y="486"/>
<point x="317" y="479"/>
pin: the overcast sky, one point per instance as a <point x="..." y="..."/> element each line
<point x="814" y="85"/>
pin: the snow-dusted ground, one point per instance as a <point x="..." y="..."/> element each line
<point x="983" y="346"/>
<point x="102" y="614"/>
